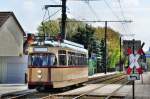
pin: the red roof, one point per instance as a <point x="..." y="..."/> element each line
<point x="5" y="15"/>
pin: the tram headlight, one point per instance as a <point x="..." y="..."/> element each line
<point x="39" y="76"/>
<point x="30" y="49"/>
<point x="39" y="71"/>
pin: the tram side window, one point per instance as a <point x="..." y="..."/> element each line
<point x="70" y="56"/>
<point x="84" y="59"/>
<point x="52" y="60"/>
<point x="62" y="57"/>
<point x="79" y="59"/>
<point x="76" y="59"/>
<point x="72" y="59"/>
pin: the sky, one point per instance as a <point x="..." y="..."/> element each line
<point x="30" y="14"/>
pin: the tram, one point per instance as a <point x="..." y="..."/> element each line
<point x="55" y="64"/>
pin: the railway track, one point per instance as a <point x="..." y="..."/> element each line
<point x="30" y="94"/>
<point x="113" y="78"/>
<point x="105" y="81"/>
<point x="16" y="95"/>
<point x="110" y="81"/>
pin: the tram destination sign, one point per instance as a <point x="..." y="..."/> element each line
<point x="40" y="49"/>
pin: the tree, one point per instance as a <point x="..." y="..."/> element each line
<point x="52" y="28"/>
<point x="49" y="28"/>
<point x="102" y="55"/>
<point x="96" y="49"/>
<point x="84" y="36"/>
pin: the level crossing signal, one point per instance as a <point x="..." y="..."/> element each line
<point x="134" y="70"/>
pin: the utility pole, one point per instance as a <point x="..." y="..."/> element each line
<point x="105" y="39"/>
<point x="120" y="65"/>
<point x="133" y="82"/>
<point x="63" y="20"/>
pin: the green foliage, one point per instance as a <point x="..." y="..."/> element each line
<point x="49" y="28"/>
<point x="72" y="28"/>
<point x="112" y="45"/>
<point x="113" y="48"/>
<point x="84" y="36"/>
<point x="102" y="55"/>
<point x="52" y="28"/>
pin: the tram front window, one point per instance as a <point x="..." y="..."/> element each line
<point x="42" y="60"/>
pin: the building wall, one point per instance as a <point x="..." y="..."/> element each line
<point x="11" y="39"/>
<point x="3" y="69"/>
<point x="13" y="64"/>
<point x="13" y="68"/>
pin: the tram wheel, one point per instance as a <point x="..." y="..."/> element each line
<point x="40" y="88"/>
<point x="31" y="87"/>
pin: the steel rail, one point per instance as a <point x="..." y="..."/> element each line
<point x="18" y="94"/>
<point x="103" y="78"/>
<point x="22" y="95"/>
<point x="111" y="94"/>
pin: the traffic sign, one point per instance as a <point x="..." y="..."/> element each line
<point x="135" y="76"/>
<point x="147" y="55"/>
<point x="134" y="70"/>
<point x="133" y="59"/>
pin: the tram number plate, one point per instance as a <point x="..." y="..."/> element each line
<point x="134" y="77"/>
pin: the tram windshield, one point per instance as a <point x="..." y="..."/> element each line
<point x="42" y="60"/>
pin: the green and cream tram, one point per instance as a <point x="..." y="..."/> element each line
<point x="56" y="65"/>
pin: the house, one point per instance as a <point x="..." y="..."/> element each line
<point x="13" y="64"/>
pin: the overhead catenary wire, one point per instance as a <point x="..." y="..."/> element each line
<point x="95" y="12"/>
<point x="92" y="10"/>
<point x="115" y="15"/>
<point x="48" y="18"/>
<point x="52" y="15"/>
<point x="49" y="21"/>
<point x="122" y="11"/>
<point x="111" y="10"/>
<point x="43" y="22"/>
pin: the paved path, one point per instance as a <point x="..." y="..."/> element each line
<point x="9" y="88"/>
<point x="102" y="74"/>
<point x="102" y="91"/>
<point x="142" y="90"/>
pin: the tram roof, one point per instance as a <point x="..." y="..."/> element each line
<point x="66" y="44"/>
